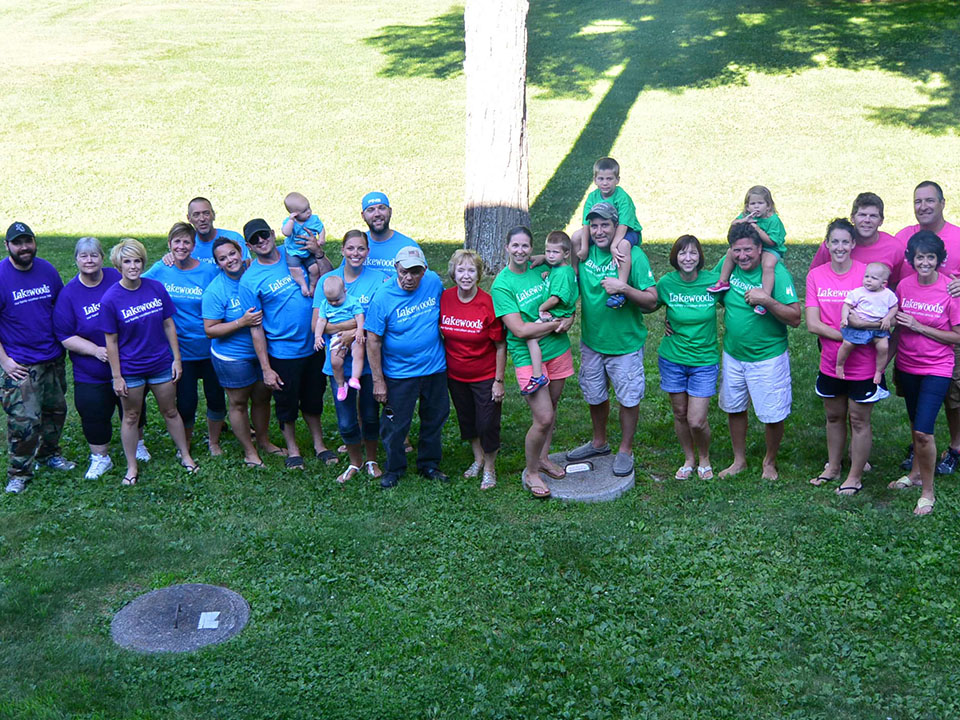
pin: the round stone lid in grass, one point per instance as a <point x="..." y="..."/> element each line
<point x="180" y="618"/>
<point x="587" y="481"/>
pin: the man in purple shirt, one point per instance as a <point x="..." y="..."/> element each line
<point x="33" y="379"/>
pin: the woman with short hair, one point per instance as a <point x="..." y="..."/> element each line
<point x="476" y="349"/>
<point x="185" y="282"/>
<point x="137" y="318"/>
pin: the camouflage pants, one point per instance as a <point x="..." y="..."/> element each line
<point x="36" y="408"/>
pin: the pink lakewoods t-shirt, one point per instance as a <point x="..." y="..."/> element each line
<point x="887" y="250"/>
<point x="933" y="306"/>
<point x="827" y="291"/>
<point x="950" y="234"/>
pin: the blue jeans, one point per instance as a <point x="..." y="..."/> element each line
<point x="357" y="425"/>
<point x="402" y="396"/>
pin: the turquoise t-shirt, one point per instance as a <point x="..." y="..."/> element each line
<point x="221" y="301"/>
<point x="363" y="289"/>
<point x="611" y="331"/>
<point x="313" y="226"/>
<point x="524" y="293"/>
<point x="382" y="254"/>
<point x="286" y="312"/>
<point x="203" y="251"/>
<point x="409" y="323"/>
<point x="692" y="313"/>
<point x="185" y="288"/>
<point x="749" y="337"/>
<point x="626" y="210"/>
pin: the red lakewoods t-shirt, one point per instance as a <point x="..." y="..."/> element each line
<point x="469" y="333"/>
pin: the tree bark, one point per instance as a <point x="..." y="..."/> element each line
<point x="497" y="180"/>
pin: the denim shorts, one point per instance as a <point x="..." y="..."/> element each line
<point x="237" y="373"/>
<point x="134" y="381"/>
<point x="862" y="336"/>
<point x="694" y="380"/>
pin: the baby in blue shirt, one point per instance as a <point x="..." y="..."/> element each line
<point x="302" y="224"/>
<point x="338" y="307"/>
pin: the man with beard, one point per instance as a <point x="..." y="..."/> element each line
<point x="384" y="243"/>
<point x="33" y="379"/>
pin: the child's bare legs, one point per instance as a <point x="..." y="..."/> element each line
<point x="624" y="262"/>
<point x="846" y="347"/>
<point x="314" y="270"/>
<point x="726" y="270"/>
<point x="883" y="348"/>
<point x="296" y="272"/>
<point x="336" y="363"/>
<point x="536" y="357"/>
<point x="356" y="353"/>
<point x="579" y="242"/>
<point x="768" y="264"/>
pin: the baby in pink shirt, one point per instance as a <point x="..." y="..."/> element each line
<point x="874" y="302"/>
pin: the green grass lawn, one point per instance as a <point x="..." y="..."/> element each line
<point x="726" y="599"/>
<point x="735" y="599"/>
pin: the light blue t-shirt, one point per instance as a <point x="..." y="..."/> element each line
<point x="185" y="288"/>
<point x="409" y="324"/>
<point x="203" y="251"/>
<point x="286" y="312"/>
<point x="221" y="301"/>
<point x="347" y="310"/>
<point x="363" y="289"/>
<point x="383" y="253"/>
<point x="312" y="226"/>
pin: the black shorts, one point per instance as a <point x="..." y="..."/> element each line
<point x="861" y="391"/>
<point x="303" y="386"/>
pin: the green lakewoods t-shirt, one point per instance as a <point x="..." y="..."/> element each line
<point x="607" y="330"/>
<point x="524" y="293"/>
<point x="749" y="337"/>
<point x="626" y="210"/>
<point x="774" y="228"/>
<point x="692" y="313"/>
<point x="562" y="283"/>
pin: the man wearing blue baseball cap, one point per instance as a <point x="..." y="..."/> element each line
<point x="384" y="243"/>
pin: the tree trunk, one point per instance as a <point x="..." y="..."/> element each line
<point x="497" y="181"/>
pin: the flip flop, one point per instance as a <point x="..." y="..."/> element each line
<point x="251" y="464"/>
<point x="278" y="451"/>
<point x="705" y="472"/>
<point x="130" y="480"/>
<point x="327" y="457"/>
<point x="293" y="462"/>
<point x="902" y="483"/>
<point x="849" y="490"/>
<point x="922" y="505"/>
<point x="541" y="492"/>
<point x="347" y="474"/>
<point x="683" y="473"/>
<point x="370" y="466"/>
<point x="191" y="469"/>
<point x="553" y="473"/>
<point x="823" y="480"/>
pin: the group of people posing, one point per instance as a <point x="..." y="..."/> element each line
<point x="255" y="319"/>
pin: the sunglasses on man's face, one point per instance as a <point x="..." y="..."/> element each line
<point x="260" y="237"/>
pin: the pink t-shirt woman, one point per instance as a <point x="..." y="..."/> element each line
<point x="932" y="306"/>
<point x="826" y="289"/>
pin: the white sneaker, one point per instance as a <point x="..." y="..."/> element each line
<point x="99" y="464"/>
<point x="143" y="455"/>
<point x="15" y="485"/>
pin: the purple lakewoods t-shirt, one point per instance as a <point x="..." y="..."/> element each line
<point x="26" y="311"/>
<point x="77" y="312"/>
<point x="137" y="316"/>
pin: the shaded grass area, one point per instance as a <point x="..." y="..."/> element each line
<point x="729" y="599"/>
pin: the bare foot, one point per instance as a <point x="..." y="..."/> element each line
<point x="215" y="449"/>
<point x="735" y="469"/>
<point x="769" y="472"/>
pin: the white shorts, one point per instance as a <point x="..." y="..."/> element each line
<point x="624" y="372"/>
<point x="765" y="383"/>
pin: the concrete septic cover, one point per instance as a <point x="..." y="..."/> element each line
<point x="180" y="618"/>
<point x="589" y="480"/>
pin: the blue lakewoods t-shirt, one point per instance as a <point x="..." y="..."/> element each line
<point x="409" y="323"/>
<point x="203" y="251"/>
<point x="27" y="298"/>
<point x="383" y="253"/>
<point x="313" y="225"/>
<point x="363" y="289"/>
<point x="286" y="311"/>
<point x="77" y="313"/>
<point x="185" y="288"/>
<point x="221" y="301"/>
<point x="136" y="316"/>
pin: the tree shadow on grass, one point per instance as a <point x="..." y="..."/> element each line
<point x="678" y="44"/>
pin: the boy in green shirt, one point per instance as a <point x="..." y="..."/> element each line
<point x="562" y="301"/>
<point x="606" y="176"/>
